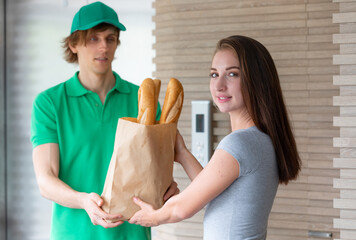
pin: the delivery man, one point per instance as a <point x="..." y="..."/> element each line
<point x="73" y="131"/>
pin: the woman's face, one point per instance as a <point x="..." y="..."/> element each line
<point x="225" y="82"/>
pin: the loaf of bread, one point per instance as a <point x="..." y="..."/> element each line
<point x="157" y="83"/>
<point x="173" y="102"/>
<point x="148" y="94"/>
<point x="147" y="105"/>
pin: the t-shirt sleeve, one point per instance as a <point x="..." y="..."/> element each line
<point x="43" y="121"/>
<point x="243" y="148"/>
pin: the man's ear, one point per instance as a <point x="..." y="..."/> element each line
<point x="73" y="49"/>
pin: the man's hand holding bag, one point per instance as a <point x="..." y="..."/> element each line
<point x="142" y="161"/>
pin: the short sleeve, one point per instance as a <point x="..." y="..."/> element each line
<point x="242" y="145"/>
<point x="43" y="121"/>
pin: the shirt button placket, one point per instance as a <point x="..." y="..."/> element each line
<point x="99" y="109"/>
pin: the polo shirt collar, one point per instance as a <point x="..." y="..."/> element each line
<point x="121" y="85"/>
<point x="76" y="89"/>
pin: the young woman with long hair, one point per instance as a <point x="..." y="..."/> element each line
<point x="240" y="181"/>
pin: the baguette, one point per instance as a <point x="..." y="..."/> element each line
<point x="157" y="83"/>
<point x="146" y="103"/>
<point x="173" y="102"/>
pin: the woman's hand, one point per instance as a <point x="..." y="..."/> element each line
<point x="144" y="217"/>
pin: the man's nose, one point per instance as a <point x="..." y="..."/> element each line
<point x="103" y="44"/>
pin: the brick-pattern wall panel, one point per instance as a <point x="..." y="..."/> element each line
<point x="346" y="120"/>
<point x="299" y="36"/>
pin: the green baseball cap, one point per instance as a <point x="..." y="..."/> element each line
<point x="93" y="14"/>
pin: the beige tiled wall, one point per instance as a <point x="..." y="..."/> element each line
<point x="299" y="35"/>
<point x="346" y="120"/>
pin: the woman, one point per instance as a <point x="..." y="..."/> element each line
<point x="241" y="179"/>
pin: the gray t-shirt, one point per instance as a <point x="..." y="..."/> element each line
<point x="241" y="211"/>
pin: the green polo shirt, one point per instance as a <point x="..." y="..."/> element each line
<point x="84" y="129"/>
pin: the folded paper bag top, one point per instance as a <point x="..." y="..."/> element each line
<point x="141" y="165"/>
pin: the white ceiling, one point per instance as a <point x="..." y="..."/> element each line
<point x="122" y="5"/>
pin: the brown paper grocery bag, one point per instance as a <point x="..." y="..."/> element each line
<point x="141" y="165"/>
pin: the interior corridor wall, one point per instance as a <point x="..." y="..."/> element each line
<point x="299" y="36"/>
<point x="346" y="101"/>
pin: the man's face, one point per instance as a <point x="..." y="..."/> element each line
<point x="98" y="53"/>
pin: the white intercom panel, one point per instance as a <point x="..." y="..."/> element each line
<point x="201" y="131"/>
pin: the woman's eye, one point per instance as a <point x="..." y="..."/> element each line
<point x="213" y="75"/>
<point x="232" y="74"/>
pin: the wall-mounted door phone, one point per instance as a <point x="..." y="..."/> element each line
<point x="201" y="131"/>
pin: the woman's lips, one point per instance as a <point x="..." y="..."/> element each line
<point x="223" y="99"/>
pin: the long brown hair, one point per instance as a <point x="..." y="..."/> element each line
<point x="80" y="37"/>
<point x="263" y="97"/>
